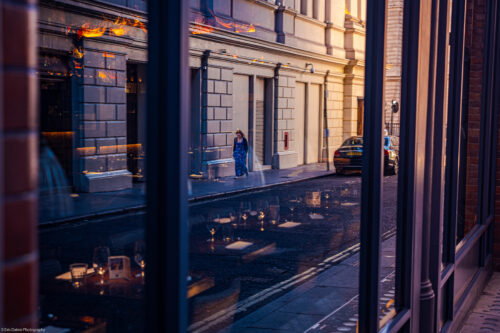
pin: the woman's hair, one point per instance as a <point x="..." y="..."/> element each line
<point x="239" y="131"/>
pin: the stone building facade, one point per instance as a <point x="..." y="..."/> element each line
<point x="289" y="74"/>
<point x="394" y="49"/>
<point x="87" y="53"/>
<point x="280" y="72"/>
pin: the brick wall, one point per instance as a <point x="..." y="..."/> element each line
<point x="18" y="172"/>
<point x="475" y="42"/>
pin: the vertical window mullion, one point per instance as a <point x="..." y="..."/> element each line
<point x="457" y="39"/>
<point x="453" y="125"/>
<point x="167" y="128"/>
<point x="372" y="168"/>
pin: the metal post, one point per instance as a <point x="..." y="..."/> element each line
<point x="325" y="114"/>
<point x="392" y="116"/>
<point x="167" y="146"/>
<point x="371" y="189"/>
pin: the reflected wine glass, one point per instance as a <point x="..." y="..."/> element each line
<point x="212" y="226"/>
<point x="78" y="274"/>
<point x="140" y="255"/>
<point x="292" y="205"/>
<point x="260" y="217"/>
<point x="244" y="218"/>
<point x="274" y="213"/>
<point x="100" y="262"/>
<point x="234" y="219"/>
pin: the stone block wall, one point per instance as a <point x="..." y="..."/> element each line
<point x="217" y="123"/>
<point x="284" y="121"/>
<point x="353" y="90"/>
<point x="19" y="166"/>
<point x="335" y="115"/>
<point x="103" y="129"/>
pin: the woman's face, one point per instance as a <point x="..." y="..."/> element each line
<point x="238" y="135"/>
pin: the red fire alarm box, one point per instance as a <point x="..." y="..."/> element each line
<point x="286" y="140"/>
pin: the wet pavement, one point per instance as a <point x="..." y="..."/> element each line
<point x="246" y="250"/>
<point x="60" y="205"/>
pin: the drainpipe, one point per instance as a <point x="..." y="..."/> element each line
<point x="325" y="115"/>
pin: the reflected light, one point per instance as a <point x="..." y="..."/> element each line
<point x="85" y="31"/>
<point x="289" y="225"/>
<point x="266" y="250"/>
<point x="238" y="245"/>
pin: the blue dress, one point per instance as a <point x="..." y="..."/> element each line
<point x="240" y="158"/>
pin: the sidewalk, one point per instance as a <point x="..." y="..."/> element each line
<point x="64" y="206"/>
<point x="326" y="302"/>
<point x="485" y="317"/>
<point x="204" y="188"/>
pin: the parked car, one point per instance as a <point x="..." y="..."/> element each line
<point x="350" y="154"/>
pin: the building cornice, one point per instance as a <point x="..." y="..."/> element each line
<point x="311" y="20"/>
<point x="95" y="8"/>
<point x="234" y="39"/>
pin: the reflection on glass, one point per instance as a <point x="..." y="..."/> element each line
<point x="78" y="274"/>
<point x="92" y="111"/>
<point x="100" y="261"/>
<point x="140" y="255"/>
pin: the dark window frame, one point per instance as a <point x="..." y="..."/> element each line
<point x="167" y="196"/>
<point x="458" y="298"/>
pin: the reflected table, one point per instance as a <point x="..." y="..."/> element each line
<point x="116" y="305"/>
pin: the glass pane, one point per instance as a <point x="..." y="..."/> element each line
<point x="392" y="116"/>
<point x="446" y="227"/>
<point x="92" y="166"/>
<point x="276" y="94"/>
<point x="470" y="126"/>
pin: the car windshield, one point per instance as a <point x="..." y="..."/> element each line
<point x="353" y="142"/>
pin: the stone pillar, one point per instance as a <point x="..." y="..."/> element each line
<point x="354" y="44"/>
<point x="306" y="7"/>
<point x="319" y="10"/>
<point x="101" y="142"/>
<point x="353" y="89"/>
<point x="217" y="121"/>
<point x="284" y="120"/>
<point x="354" y="37"/>
<point x="334" y="17"/>
<point x="335" y="102"/>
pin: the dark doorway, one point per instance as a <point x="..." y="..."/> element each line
<point x="135" y="120"/>
<point x="56" y="131"/>
<point x="195" y="124"/>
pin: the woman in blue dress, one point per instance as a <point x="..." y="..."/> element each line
<point x="240" y="149"/>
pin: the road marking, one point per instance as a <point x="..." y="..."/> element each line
<point x="340" y="308"/>
<point x="332" y="313"/>
<point x="230" y="311"/>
